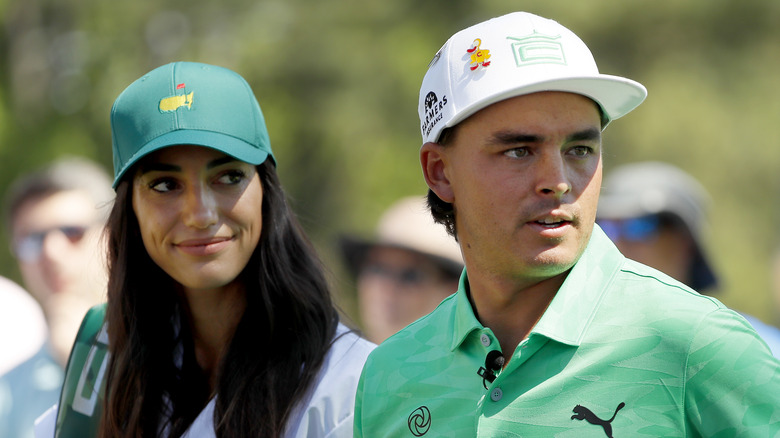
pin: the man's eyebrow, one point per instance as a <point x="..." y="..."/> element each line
<point x="513" y="137"/>
<point x="591" y="134"/>
<point x="164" y="167"/>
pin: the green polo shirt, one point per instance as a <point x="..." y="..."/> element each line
<point x="623" y="350"/>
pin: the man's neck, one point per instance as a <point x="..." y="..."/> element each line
<point x="509" y="310"/>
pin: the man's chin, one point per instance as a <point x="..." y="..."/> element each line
<point x="555" y="261"/>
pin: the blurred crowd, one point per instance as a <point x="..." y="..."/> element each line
<point x="54" y="217"/>
<point x="655" y="212"/>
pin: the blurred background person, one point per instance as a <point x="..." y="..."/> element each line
<point x="404" y="271"/>
<point x="657" y="214"/>
<point x="55" y="217"/>
<point x="22" y="326"/>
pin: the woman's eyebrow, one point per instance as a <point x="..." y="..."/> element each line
<point x="165" y="167"/>
<point x="220" y="161"/>
<point x="159" y="167"/>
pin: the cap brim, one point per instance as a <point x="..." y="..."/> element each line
<point x="616" y="95"/>
<point x="229" y="145"/>
<point x="621" y="207"/>
<point x="354" y="251"/>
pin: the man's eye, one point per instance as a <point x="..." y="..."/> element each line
<point x="517" y="153"/>
<point x="581" y="151"/>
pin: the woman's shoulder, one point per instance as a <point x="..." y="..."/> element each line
<point x="344" y="362"/>
<point x="348" y="348"/>
<point x="328" y="409"/>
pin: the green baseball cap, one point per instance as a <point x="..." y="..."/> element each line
<point x="188" y="103"/>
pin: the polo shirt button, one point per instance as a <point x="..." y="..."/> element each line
<point x="496" y="394"/>
<point x="485" y="340"/>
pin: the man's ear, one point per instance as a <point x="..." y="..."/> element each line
<point x="433" y="158"/>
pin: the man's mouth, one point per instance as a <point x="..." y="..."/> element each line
<point x="551" y="222"/>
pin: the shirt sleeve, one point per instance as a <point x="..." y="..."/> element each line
<point x="732" y="380"/>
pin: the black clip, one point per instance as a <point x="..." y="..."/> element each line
<point x="493" y="362"/>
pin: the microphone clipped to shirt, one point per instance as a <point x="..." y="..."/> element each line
<point x="494" y="361"/>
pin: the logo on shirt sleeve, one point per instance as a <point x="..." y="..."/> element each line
<point x="420" y="421"/>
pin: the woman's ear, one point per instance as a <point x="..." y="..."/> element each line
<point x="433" y="158"/>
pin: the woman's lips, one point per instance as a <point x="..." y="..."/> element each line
<point x="203" y="247"/>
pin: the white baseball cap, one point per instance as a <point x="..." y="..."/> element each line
<point x="407" y="224"/>
<point x="515" y="54"/>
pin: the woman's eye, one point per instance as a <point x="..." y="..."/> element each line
<point x="162" y="185"/>
<point x="232" y="177"/>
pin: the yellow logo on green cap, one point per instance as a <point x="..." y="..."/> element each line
<point x="173" y="103"/>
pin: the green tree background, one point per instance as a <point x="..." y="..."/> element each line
<point x="338" y="83"/>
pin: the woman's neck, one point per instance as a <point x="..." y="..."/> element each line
<point x="213" y="316"/>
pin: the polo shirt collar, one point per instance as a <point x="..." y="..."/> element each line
<point x="574" y="305"/>
<point x="465" y="321"/>
<point x="580" y="295"/>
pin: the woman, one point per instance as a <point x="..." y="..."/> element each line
<point x="219" y="318"/>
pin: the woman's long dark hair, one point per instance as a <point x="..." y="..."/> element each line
<point x="274" y="356"/>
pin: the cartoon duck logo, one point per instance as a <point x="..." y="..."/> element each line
<point x="173" y="103"/>
<point x="479" y="56"/>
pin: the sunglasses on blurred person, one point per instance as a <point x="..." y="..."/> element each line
<point x="635" y="229"/>
<point x="29" y="247"/>
<point x="412" y="276"/>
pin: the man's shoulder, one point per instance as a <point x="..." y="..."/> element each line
<point x="639" y="278"/>
<point x="644" y="298"/>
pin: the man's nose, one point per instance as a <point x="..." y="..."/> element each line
<point x="552" y="176"/>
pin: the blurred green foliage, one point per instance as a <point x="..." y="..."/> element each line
<point x="338" y="83"/>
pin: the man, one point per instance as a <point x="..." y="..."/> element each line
<point x="552" y="332"/>
<point x="656" y="214"/>
<point x="55" y="217"/>
<point x="405" y="271"/>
